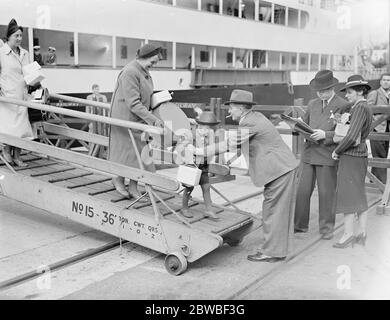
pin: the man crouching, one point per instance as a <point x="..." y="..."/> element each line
<point x="272" y="165"/>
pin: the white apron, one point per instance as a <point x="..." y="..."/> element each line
<point x="13" y="119"/>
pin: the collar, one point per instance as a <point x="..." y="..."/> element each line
<point x="330" y="99"/>
<point x="8" y="50"/>
<point x="244" y="115"/>
<point x="360" y="100"/>
<point x="141" y="67"/>
<point x="386" y="93"/>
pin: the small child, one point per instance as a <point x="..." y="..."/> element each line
<point x="207" y="123"/>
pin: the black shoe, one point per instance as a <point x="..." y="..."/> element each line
<point x="259" y="257"/>
<point x="296" y="230"/>
<point x="327" y="236"/>
<point x="346" y="243"/>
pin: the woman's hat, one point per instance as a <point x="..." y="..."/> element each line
<point x="355" y="80"/>
<point x="241" y="97"/>
<point x="13" y="27"/>
<point x="323" y="80"/>
<point x="148" y="50"/>
<point x="208" y="118"/>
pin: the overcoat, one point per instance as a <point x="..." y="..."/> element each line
<point x="319" y="118"/>
<point x="13" y="119"/>
<point x="131" y="102"/>
<point x="269" y="156"/>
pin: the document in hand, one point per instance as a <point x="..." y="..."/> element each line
<point x="299" y="126"/>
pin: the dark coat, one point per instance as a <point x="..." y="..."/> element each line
<point x="317" y="118"/>
<point x="131" y="102"/>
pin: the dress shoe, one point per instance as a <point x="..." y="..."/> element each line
<point x="259" y="257"/>
<point x="346" y="243"/>
<point x="327" y="236"/>
<point x="20" y="163"/>
<point x="210" y="214"/>
<point x="361" y="239"/>
<point x="186" y="213"/>
<point x="120" y="187"/>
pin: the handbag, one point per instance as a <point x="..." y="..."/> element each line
<point x="189" y="175"/>
<point x="341" y="131"/>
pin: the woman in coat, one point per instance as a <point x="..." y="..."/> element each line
<point x="351" y="197"/>
<point x="13" y="119"/>
<point x="131" y="102"/>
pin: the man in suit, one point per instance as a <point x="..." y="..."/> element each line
<point x="271" y="164"/>
<point x="379" y="149"/>
<point x="317" y="164"/>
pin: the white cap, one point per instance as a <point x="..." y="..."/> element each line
<point x="52" y="48"/>
<point x="159" y="98"/>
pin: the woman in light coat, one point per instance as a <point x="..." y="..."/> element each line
<point x="13" y="119"/>
<point x="131" y="102"/>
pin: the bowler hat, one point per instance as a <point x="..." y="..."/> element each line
<point x="148" y="50"/>
<point x="208" y="117"/>
<point x="12" y="28"/>
<point x="355" y="80"/>
<point x="241" y="97"/>
<point x="323" y="80"/>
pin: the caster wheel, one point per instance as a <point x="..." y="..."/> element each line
<point x="233" y="242"/>
<point x="175" y="263"/>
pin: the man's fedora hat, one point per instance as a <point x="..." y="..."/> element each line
<point x="241" y="97"/>
<point x="323" y="80"/>
<point x="355" y="80"/>
<point x="208" y="118"/>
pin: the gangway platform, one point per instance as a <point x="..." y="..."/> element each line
<point x="61" y="182"/>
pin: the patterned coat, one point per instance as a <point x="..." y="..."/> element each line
<point x="13" y="119"/>
<point x="131" y="102"/>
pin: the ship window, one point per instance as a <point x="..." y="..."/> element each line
<point x="159" y="1"/>
<point x="259" y="58"/>
<point x="204" y="56"/>
<point x="183" y="56"/>
<point x="280" y="15"/>
<point x="123" y="52"/>
<point x="273" y="60"/>
<point x="303" y="61"/>
<point x="265" y="11"/>
<point x="60" y="40"/>
<point x="324" y="59"/>
<point x="126" y="50"/>
<point x="229" y="57"/>
<point x="71" y="48"/>
<point x="210" y="6"/>
<point x="293" y="59"/>
<point x="314" y="62"/>
<point x="304" y="19"/>
<point x="95" y="50"/>
<point x="293" y="17"/>
<point x="189" y="4"/>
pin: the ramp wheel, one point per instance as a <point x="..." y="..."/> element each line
<point x="175" y="263"/>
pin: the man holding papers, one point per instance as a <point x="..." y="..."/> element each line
<point x="317" y="164"/>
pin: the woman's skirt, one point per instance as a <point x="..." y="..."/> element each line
<point x="351" y="194"/>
